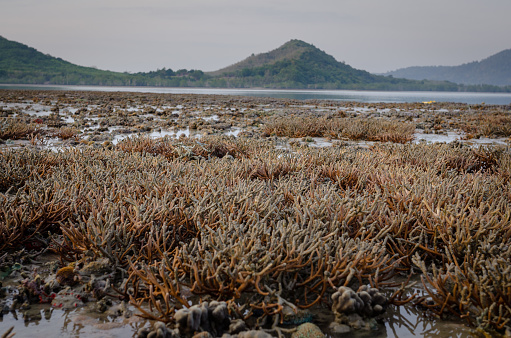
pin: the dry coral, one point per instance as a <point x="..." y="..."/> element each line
<point x="359" y="128"/>
<point x="238" y="225"/>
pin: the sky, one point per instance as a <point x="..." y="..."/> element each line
<point x="144" y="35"/>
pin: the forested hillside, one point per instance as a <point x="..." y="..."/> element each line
<point x="494" y="70"/>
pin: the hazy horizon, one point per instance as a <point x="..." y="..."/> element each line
<point x="371" y="35"/>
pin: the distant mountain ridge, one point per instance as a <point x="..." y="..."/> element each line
<point x="494" y="70"/>
<point x="301" y="65"/>
<point x="294" y="65"/>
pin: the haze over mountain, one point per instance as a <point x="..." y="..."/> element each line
<point x="494" y="70"/>
<point x="294" y="65"/>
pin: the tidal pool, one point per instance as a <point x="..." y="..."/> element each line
<point x="44" y="321"/>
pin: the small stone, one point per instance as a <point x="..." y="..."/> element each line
<point x="103" y="305"/>
<point x="254" y="334"/>
<point x="355" y="321"/>
<point x="308" y="330"/>
<point x="372" y="325"/>
<point x="67" y="299"/>
<point x="296" y="316"/>
<point x="32" y="316"/>
<point x="337" y="328"/>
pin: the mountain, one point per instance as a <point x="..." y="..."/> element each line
<point x="494" y="70"/>
<point x="290" y="50"/>
<point x="294" y="65"/>
<point x="297" y="64"/>
<point x="22" y="64"/>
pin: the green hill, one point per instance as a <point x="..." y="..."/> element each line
<point x="297" y="64"/>
<point x="494" y="70"/>
<point x="22" y="64"/>
<point x="290" y="50"/>
<point x="294" y="65"/>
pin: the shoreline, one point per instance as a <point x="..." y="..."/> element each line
<point x="338" y="95"/>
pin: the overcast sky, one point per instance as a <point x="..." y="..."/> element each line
<point x="143" y="35"/>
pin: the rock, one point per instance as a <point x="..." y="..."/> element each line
<point x="67" y="299"/>
<point x="337" y="328"/>
<point x="32" y="316"/>
<point x="119" y="310"/>
<point x="308" y="330"/>
<point x="372" y="325"/>
<point x="295" y="316"/>
<point x="355" y="321"/>
<point x="254" y="334"/>
<point x="103" y="304"/>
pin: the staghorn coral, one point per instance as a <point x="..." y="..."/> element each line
<point x="351" y="128"/>
<point x="17" y="129"/>
<point x="243" y="222"/>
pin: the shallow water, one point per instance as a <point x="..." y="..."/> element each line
<point x="437" y="138"/>
<point x="340" y="95"/>
<point x="44" y="321"/>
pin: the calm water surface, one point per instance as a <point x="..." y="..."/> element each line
<point x="340" y="95"/>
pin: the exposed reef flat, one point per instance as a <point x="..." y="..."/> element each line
<point x="195" y="215"/>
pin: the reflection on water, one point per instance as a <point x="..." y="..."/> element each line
<point x="452" y="136"/>
<point x="409" y="321"/>
<point x="233" y="131"/>
<point x="433" y="138"/>
<point x="339" y="95"/>
<point x="154" y="134"/>
<point x="43" y="321"/>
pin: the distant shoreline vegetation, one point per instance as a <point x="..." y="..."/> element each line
<point x="295" y="65"/>
<point x="197" y="78"/>
<point x="246" y="78"/>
